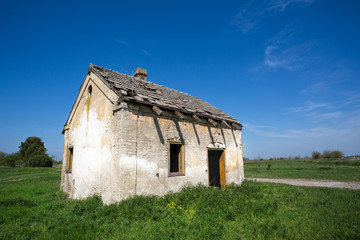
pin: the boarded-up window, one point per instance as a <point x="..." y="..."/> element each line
<point x="70" y="159"/>
<point x="176" y="158"/>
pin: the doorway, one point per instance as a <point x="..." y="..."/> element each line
<point x="217" y="175"/>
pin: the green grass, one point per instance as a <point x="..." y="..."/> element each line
<point x="18" y="172"/>
<point x="34" y="208"/>
<point x="308" y="169"/>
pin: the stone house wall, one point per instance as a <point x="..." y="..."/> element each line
<point x="122" y="149"/>
<point x="142" y="154"/>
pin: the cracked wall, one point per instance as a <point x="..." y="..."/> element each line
<point x="123" y="150"/>
<point x="142" y="151"/>
<point x="90" y="134"/>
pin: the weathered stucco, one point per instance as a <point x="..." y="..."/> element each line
<point x="121" y="149"/>
<point x="89" y="132"/>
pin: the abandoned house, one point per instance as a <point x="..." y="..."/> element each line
<point x="127" y="136"/>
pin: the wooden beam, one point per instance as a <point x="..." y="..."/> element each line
<point x="225" y="124"/>
<point x="157" y="110"/>
<point x="212" y="121"/>
<point x="235" y="125"/>
<point x="179" y="114"/>
<point x="64" y="130"/>
<point x="196" y="117"/>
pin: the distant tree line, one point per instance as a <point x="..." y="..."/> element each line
<point x="32" y="152"/>
<point x="327" y="154"/>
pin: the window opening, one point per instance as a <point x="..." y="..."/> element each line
<point x="70" y="159"/>
<point x="89" y="91"/>
<point x="176" y="158"/>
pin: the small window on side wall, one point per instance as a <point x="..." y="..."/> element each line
<point x="176" y="159"/>
<point x="70" y="159"/>
<point x="89" y="91"/>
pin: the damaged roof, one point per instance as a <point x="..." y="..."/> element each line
<point x="133" y="89"/>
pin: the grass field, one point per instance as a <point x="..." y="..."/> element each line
<point x="32" y="207"/>
<point x="309" y="169"/>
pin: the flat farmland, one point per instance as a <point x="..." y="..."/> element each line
<point x="32" y="206"/>
<point x="325" y="169"/>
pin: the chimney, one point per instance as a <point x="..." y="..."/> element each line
<point x="140" y="73"/>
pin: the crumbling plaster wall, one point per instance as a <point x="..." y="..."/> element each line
<point x="142" y="149"/>
<point x="89" y="132"/>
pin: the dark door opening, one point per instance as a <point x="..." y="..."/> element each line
<point x="216" y="168"/>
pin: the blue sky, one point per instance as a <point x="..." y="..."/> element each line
<point x="288" y="70"/>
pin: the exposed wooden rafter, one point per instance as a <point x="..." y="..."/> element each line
<point x="157" y="110"/>
<point x="225" y="124"/>
<point x="196" y="117"/>
<point x="179" y="114"/>
<point x="212" y="121"/>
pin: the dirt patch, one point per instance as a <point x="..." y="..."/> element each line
<point x="310" y="182"/>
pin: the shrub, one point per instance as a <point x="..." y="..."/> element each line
<point x="41" y="160"/>
<point x="268" y="167"/>
<point x="2" y="156"/>
<point x="11" y="159"/>
<point x="327" y="154"/>
<point x="31" y="147"/>
<point x="315" y="155"/>
<point x="336" y="154"/>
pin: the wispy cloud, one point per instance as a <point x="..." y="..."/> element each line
<point x="316" y="111"/>
<point x="283" y="50"/>
<point x="325" y="116"/>
<point x="319" y="132"/>
<point x="354" y="121"/>
<point x="249" y="16"/>
<point x="293" y="57"/>
<point x="256" y="128"/>
<point x="352" y="98"/>
<point x="301" y="137"/>
<point x="314" y="88"/>
<point x="281" y="5"/>
<point x="123" y="42"/>
<point x="301" y="141"/>
<point x="272" y="132"/>
<point x="308" y="107"/>
<point x="147" y="53"/>
<point x="267" y="131"/>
